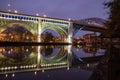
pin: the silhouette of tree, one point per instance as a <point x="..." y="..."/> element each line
<point x="48" y="37"/>
<point x="114" y="18"/>
<point x="48" y="51"/>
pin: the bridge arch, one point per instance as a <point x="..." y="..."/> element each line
<point x="10" y="25"/>
<point x="63" y="34"/>
<point x="61" y="54"/>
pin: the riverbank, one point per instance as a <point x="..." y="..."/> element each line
<point x="30" y="43"/>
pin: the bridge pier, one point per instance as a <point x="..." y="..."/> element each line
<point x="70" y="32"/>
<point x="39" y="30"/>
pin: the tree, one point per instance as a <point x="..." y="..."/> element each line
<point x="114" y="18"/>
<point x="48" y="37"/>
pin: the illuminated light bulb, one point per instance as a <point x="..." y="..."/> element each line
<point x="43" y="70"/>
<point x="2" y="68"/>
<point x="35" y="72"/>
<point x="11" y="49"/>
<point x="27" y="50"/>
<point x="9" y="10"/>
<point x="34" y="65"/>
<point x="37" y="14"/>
<point x="44" y="15"/>
<point x="12" y="67"/>
<point x="88" y="65"/>
<point x="21" y="67"/>
<point x="68" y="68"/>
<point x="13" y="75"/>
<point x="69" y="19"/>
<point x="6" y="75"/>
<point x="5" y="68"/>
<point x="27" y="66"/>
<point x="9" y="52"/>
<point x="15" y="67"/>
<point x="16" y="11"/>
<point x="8" y="67"/>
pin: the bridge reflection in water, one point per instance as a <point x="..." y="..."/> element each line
<point x="15" y="59"/>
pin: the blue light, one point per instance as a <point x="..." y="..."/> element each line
<point x="19" y="17"/>
<point x="13" y="16"/>
<point x="29" y="18"/>
<point x="9" y="16"/>
<point x="24" y="18"/>
<point x="2" y="15"/>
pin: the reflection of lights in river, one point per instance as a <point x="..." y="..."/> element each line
<point x="27" y="50"/>
<point x="6" y="75"/>
<point x="13" y="75"/>
<point x="35" y="73"/>
<point x="68" y="68"/>
<point x="43" y="70"/>
<point x="88" y="65"/>
<point x="9" y="52"/>
<point x="11" y="49"/>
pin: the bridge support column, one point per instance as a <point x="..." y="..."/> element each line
<point x="70" y="32"/>
<point x="69" y="57"/>
<point x="39" y="30"/>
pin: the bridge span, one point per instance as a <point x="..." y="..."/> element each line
<point x="29" y="28"/>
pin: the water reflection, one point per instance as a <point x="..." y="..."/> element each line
<point x="53" y="57"/>
<point x="44" y="58"/>
<point x="88" y="51"/>
<point x="16" y="53"/>
<point x="21" y="58"/>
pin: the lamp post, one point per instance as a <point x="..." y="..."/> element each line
<point x="9" y="5"/>
<point x="16" y="11"/>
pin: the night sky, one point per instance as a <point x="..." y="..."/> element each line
<point x="64" y="9"/>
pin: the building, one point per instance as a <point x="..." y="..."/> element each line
<point x="91" y="38"/>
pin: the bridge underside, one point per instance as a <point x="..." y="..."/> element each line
<point x="80" y="26"/>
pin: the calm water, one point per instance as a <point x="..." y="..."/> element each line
<point x="57" y="62"/>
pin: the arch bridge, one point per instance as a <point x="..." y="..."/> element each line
<point x="33" y="26"/>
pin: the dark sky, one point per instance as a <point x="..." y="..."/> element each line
<point x="74" y="9"/>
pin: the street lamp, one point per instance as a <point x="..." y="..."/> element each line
<point x="37" y="14"/>
<point x="9" y="10"/>
<point x="44" y="15"/>
<point x="16" y="11"/>
<point x="69" y="19"/>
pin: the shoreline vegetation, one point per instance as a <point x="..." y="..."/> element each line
<point x="30" y="43"/>
<point x="5" y="43"/>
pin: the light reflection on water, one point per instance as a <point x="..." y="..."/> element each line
<point x="48" y="61"/>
